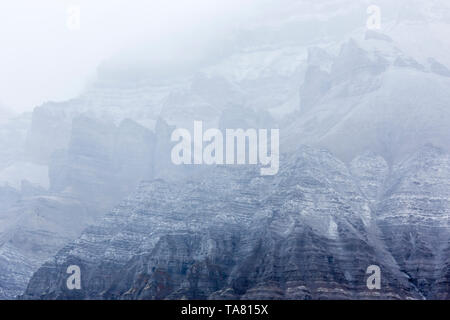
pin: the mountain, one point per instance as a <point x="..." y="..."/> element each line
<point x="364" y="140"/>
<point x="371" y="97"/>
<point x="34" y="226"/>
<point x="309" y="232"/>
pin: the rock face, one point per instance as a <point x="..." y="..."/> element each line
<point x="310" y="232"/>
<point x="33" y="229"/>
<point x="378" y="196"/>
<point x="363" y="99"/>
<point x="103" y="162"/>
<point x="414" y="218"/>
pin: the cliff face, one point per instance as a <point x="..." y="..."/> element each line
<point x="33" y="229"/>
<point x="101" y="164"/>
<point x="309" y="232"/>
<point x="378" y="197"/>
<point x="414" y="217"/>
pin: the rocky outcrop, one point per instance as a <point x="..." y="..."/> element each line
<point x="33" y="229"/>
<point x="372" y="97"/>
<point x="414" y="217"/>
<point x="308" y="233"/>
<point x="101" y="165"/>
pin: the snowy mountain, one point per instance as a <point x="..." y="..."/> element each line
<point x="364" y="170"/>
<point x="401" y="102"/>
<point x="309" y="232"/>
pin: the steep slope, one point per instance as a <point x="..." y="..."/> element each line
<point x="414" y="217"/>
<point x="309" y="232"/>
<point x="371" y="97"/>
<point x="33" y="229"/>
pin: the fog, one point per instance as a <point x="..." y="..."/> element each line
<point x="43" y="58"/>
<point x="134" y="162"/>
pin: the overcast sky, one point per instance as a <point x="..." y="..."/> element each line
<point x="42" y="58"/>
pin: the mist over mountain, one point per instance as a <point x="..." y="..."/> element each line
<point x="364" y="118"/>
<point x="5" y="113"/>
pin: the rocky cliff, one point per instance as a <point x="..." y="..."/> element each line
<point x="308" y="233"/>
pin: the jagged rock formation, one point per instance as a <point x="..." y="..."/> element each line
<point x="378" y="197"/>
<point x="308" y="233"/>
<point x="101" y="165"/>
<point x="401" y="106"/>
<point x="103" y="162"/>
<point x="34" y="228"/>
<point x="414" y="217"/>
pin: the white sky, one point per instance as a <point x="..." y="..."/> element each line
<point x="41" y="59"/>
